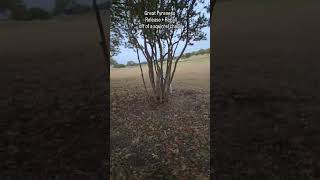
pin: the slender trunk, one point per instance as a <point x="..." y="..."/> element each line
<point x="168" y="76"/>
<point x="161" y="87"/>
<point x="103" y="38"/>
<point x="142" y="76"/>
<point x="151" y="77"/>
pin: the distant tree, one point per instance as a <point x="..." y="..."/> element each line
<point x="186" y="55"/>
<point x="18" y="10"/>
<point x="202" y="51"/>
<point x="73" y="7"/>
<point x="116" y="36"/>
<point x="38" y="13"/>
<point x="9" y="4"/>
<point x="119" y="66"/>
<point x="60" y="5"/>
<point x="131" y="63"/>
<point x="113" y="61"/>
<point x="199" y="52"/>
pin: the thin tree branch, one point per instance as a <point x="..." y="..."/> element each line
<point x="186" y="44"/>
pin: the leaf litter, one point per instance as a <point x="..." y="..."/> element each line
<point x="167" y="141"/>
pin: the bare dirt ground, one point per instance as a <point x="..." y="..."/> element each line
<point x="169" y="141"/>
<point x="266" y="91"/>
<point x="52" y="99"/>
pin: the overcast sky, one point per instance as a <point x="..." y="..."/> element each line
<point x="130" y="55"/>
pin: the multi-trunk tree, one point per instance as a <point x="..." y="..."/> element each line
<point x="161" y="47"/>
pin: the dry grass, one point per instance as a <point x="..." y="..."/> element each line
<point x="194" y="72"/>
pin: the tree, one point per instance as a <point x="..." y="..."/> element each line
<point x="113" y="62"/>
<point x="131" y="63"/>
<point x="119" y="66"/>
<point x="38" y="13"/>
<point x="10" y="4"/>
<point x="17" y="8"/>
<point x="187" y="55"/>
<point x="156" y="44"/>
<point x="73" y="7"/>
<point x="116" y="35"/>
<point x="20" y="12"/>
<point x="60" y="5"/>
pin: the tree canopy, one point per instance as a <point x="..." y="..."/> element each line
<point x="157" y="44"/>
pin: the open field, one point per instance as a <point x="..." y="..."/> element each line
<point x="52" y="100"/>
<point x="169" y="141"/>
<point x="266" y="86"/>
<point x="187" y="73"/>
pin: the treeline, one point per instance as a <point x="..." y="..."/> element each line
<point x="19" y="11"/>
<point x="115" y="64"/>
<point x="200" y="52"/>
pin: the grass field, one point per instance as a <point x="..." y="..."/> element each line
<point x="168" y="141"/>
<point x="194" y="71"/>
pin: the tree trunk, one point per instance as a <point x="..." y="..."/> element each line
<point x="151" y="77"/>
<point x="142" y="76"/>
